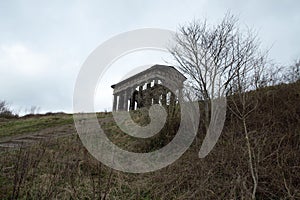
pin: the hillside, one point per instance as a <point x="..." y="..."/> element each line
<point x="61" y="168"/>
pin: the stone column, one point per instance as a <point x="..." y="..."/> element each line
<point x="172" y="99"/>
<point x="164" y="97"/>
<point x="125" y="105"/>
<point x="132" y="98"/>
<point x="115" y="102"/>
<point x="121" y="101"/>
<point x="147" y="96"/>
<point x="148" y="85"/>
<point x="132" y="102"/>
<point x="156" y="97"/>
<point x="180" y="95"/>
<point x="140" y="97"/>
<point x="156" y="92"/>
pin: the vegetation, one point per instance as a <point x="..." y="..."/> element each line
<point x="212" y="57"/>
<point x="63" y="169"/>
<point x="256" y="157"/>
<point x="221" y="61"/>
<point x="5" y="112"/>
<point x="32" y="124"/>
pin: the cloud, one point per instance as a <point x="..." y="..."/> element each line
<point x="18" y="60"/>
<point x="30" y="78"/>
<point x="43" y="45"/>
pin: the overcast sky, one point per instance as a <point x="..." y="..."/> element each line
<point x="44" y="43"/>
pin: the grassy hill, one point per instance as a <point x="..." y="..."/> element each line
<point x="62" y="168"/>
<point x="32" y="123"/>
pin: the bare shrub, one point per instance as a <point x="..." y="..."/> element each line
<point x="292" y="72"/>
<point x="212" y="56"/>
<point x="5" y="111"/>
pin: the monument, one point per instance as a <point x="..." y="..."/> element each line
<point x="160" y="84"/>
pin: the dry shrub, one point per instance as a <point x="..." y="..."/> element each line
<point x="63" y="169"/>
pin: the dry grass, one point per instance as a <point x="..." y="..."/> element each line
<point x="63" y="169"/>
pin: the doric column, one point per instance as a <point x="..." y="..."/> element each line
<point x="180" y="95"/>
<point x="155" y="97"/>
<point x="156" y="92"/>
<point x="172" y="99"/>
<point x="132" y="102"/>
<point x="115" y="102"/>
<point x="125" y="105"/>
<point x="121" y="101"/>
<point x="147" y="96"/>
<point x="140" y="97"/>
<point x="164" y="97"/>
<point x="148" y="85"/>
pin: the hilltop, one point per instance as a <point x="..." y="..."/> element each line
<point x="61" y="168"/>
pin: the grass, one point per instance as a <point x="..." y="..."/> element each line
<point x="63" y="169"/>
<point x="32" y="124"/>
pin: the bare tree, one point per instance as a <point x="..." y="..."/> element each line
<point x="211" y="56"/>
<point x="243" y="103"/>
<point x="223" y="61"/>
<point x="5" y="110"/>
<point x="34" y="110"/>
<point x="3" y="106"/>
<point x="292" y="73"/>
<point x="250" y="76"/>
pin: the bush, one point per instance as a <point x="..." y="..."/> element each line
<point x="5" y="112"/>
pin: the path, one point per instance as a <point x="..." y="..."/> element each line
<point x="31" y="138"/>
<point x="24" y="140"/>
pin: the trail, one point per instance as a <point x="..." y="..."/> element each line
<point x="28" y="139"/>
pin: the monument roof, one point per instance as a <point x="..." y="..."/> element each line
<point x="150" y="70"/>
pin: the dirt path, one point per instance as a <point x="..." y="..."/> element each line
<point x="31" y="138"/>
<point x="28" y="139"/>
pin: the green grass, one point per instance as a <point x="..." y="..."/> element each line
<point x="32" y="124"/>
<point x="62" y="168"/>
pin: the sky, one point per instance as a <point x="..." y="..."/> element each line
<point x="43" y="44"/>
